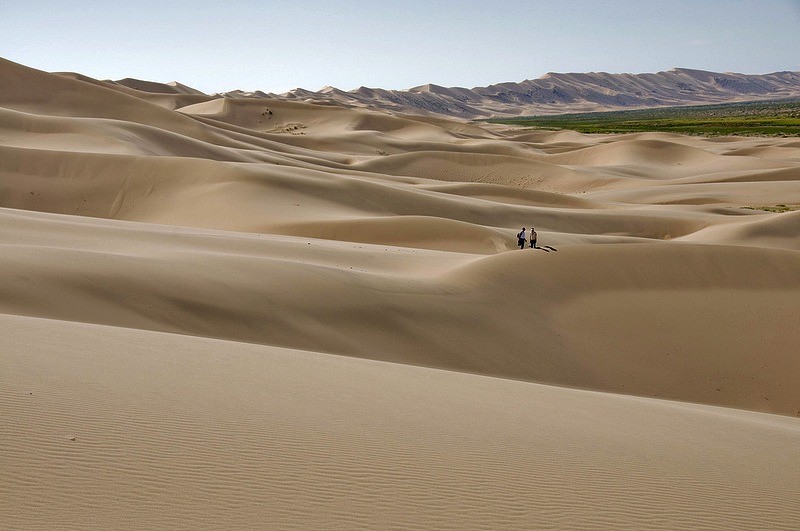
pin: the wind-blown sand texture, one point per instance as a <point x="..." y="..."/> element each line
<point x="254" y="313"/>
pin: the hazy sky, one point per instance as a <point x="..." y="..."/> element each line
<point x="275" y="46"/>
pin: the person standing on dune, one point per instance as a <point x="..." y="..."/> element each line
<point x="533" y="238"/>
<point x="521" y="238"/>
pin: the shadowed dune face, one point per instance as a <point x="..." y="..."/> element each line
<point x="379" y="245"/>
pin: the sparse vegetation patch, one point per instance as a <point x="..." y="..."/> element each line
<point x="772" y="118"/>
<point x="777" y="208"/>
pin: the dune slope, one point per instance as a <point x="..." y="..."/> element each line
<point x="142" y="429"/>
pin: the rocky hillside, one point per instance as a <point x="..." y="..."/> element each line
<point x="550" y="94"/>
<point x="558" y="93"/>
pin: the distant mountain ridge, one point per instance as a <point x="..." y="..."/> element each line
<point x="558" y="93"/>
<point x="553" y="93"/>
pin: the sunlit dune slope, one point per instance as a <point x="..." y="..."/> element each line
<point x="114" y="427"/>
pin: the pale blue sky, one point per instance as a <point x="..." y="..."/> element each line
<point x="275" y="46"/>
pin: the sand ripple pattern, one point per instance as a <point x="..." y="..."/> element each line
<point x="111" y="427"/>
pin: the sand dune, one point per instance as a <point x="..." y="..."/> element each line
<point x="254" y="312"/>
<point x="116" y="427"/>
<point x="761" y="230"/>
<point x="278" y="296"/>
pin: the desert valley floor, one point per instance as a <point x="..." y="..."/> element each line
<point x="249" y="313"/>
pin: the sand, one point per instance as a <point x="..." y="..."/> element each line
<point x="250" y="313"/>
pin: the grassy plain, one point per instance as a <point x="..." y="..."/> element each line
<point x="771" y="118"/>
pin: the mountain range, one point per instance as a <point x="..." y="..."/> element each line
<point x="557" y="93"/>
<point x="552" y="93"/>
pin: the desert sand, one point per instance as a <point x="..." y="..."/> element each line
<point x="261" y="313"/>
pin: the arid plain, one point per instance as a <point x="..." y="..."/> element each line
<point x="249" y="313"/>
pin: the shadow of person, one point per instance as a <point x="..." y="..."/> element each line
<point x="546" y="248"/>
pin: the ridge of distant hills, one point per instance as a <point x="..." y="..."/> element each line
<point x="550" y="94"/>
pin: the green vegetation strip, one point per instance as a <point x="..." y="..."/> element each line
<point x="774" y="118"/>
<point x="776" y="208"/>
